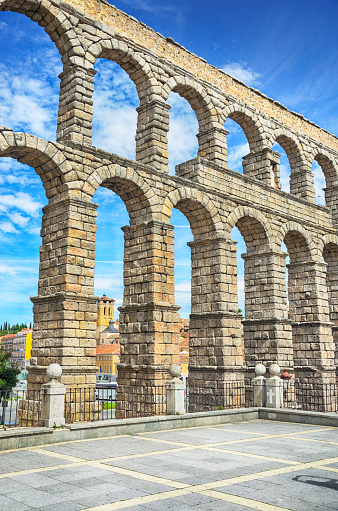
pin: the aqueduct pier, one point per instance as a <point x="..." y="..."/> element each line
<point x="212" y="197"/>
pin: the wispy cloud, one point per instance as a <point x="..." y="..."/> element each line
<point x="242" y="72"/>
<point x="28" y="103"/>
<point x="162" y="10"/>
<point x="235" y="156"/>
<point x="183" y="127"/>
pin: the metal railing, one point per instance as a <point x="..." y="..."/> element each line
<point x="211" y="395"/>
<point x="23" y="408"/>
<point x="311" y="397"/>
<point x="19" y="408"/>
<point x="84" y="405"/>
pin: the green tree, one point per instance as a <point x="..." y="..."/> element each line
<point x="8" y="372"/>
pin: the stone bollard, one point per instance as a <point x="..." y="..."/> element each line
<point x="175" y="389"/>
<point x="259" y="386"/>
<point x="53" y="399"/>
<point x="274" y="388"/>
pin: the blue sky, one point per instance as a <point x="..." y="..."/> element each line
<point x="287" y="49"/>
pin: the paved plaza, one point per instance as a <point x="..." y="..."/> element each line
<point x="258" y="464"/>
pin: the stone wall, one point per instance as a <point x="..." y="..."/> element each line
<point x="213" y="198"/>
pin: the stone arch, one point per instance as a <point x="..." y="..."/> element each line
<point x="47" y="160"/>
<point x="298" y="241"/>
<point x="51" y="18"/>
<point x="329" y="240"/>
<point x="253" y="225"/>
<point x="328" y="165"/>
<point x="197" y="98"/>
<point x="289" y="142"/>
<point x="250" y="124"/>
<point x="131" y="62"/>
<point x="197" y="207"/>
<point x="137" y="196"/>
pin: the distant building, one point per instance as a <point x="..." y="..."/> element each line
<point x="107" y="358"/>
<point x="111" y="334"/>
<point x="16" y="345"/>
<point x="7" y="342"/>
<point x="105" y="312"/>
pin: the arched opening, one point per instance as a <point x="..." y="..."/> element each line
<point x="319" y="183"/>
<point x="183" y="127"/>
<point x="115" y="117"/>
<point x="301" y="178"/>
<point x="182" y="236"/>
<point x="22" y="198"/>
<point x="325" y="181"/>
<point x="237" y="145"/>
<point x="29" y="83"/>
<point x="282" y="171"/>
<point x="112" y="214"/>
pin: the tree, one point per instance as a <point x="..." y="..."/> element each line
<point x="8" y="372"/>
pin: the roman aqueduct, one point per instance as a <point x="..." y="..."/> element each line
<point x="214" y="199"/>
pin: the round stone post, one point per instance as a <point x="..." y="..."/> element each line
<point x="175" y="390"/>
<point x="259" y="386"/>
<point x="274" y="388"/>
<point x="53" y="399"/>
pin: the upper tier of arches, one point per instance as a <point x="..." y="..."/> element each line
<point x="154" y="79"/>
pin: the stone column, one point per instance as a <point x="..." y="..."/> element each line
<point x="264" y="166"/>
<point x="151" y="134"/>
<point x="267" y="328"/>
<point x="331" y="259"/>
<point x="76" y="105"/>
<point x="215" y="333"/>
<point x="311" y="327"/>
<point x="65" y="308"/>
<point x="149" y="328"/>
<point x="302" y="184"/>
<point x="212" y="144"/>
<point x="331" y="201"/>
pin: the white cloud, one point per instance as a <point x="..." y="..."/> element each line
<point x="235" y="156"/>
<point x="242" y="72"/>
<point x="22" y="201"/>
<point x="319" y="183"/>
<point x="183" y="127"/>
<point x="19" y="220"/>
<point x="29" y="94"/>
<point x="6" y="269"/>
<point x="7" y="227"/>
<point x="183" y="287"/>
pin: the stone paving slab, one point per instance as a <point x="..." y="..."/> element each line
<point x="261" y="465"/>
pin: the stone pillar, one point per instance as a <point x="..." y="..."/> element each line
<point x="151" y="134"/>
<point x="212" y="144"/>
<point x="149" y="328"/>
<point x="302" y="184"/>
<point x="311" y="327"/>
<point x="331" y="259"/>
<point x="215" y="334"/>
<point x="76" y="105"/>
<point x="264" y="166"/>
<point x="53" y="399"/>
<point x="267" y="328"/>
<point x="65" y="308"/>
<point x="331" y="201"/>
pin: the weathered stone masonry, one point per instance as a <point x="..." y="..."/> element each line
<point x="213" y="198"/>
